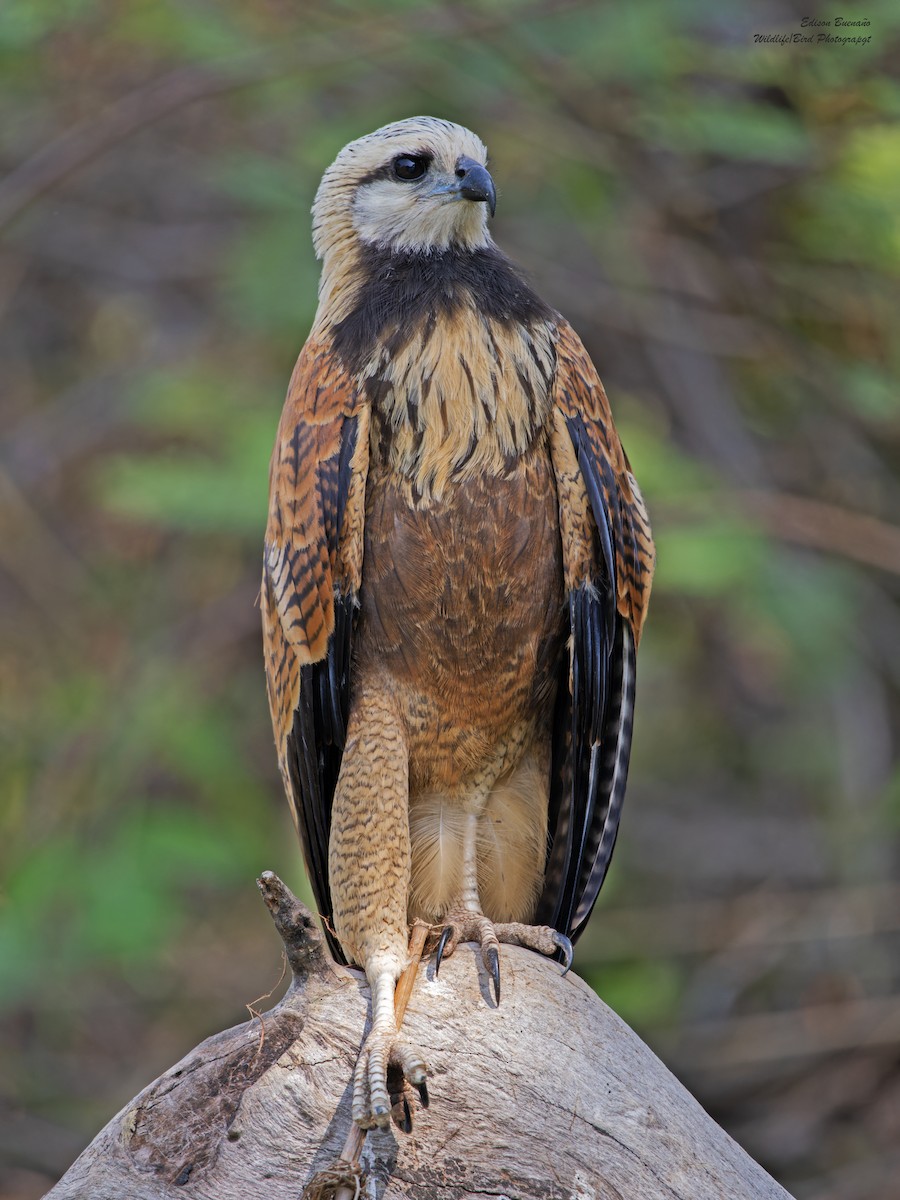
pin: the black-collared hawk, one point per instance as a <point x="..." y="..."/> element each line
<point x="457" y="567"/>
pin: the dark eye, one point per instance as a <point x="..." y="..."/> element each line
<point x="409" y="167"/>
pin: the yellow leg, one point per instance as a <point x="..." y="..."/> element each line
<point x="369" y="871"/>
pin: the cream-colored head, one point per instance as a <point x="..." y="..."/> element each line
<point x="417" y="185"/>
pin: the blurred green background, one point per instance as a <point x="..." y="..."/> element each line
<point x="720" y="220"/>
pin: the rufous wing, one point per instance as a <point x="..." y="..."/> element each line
<point x="311" y="575"/>
<point x="608" y="561"/>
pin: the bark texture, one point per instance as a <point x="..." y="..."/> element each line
<point x="549" y="1096"/>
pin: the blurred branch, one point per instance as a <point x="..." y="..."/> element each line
<point x="92" y="238"/>
<point x="786" y="918"/>
<point x="77" y="147"/>
<point x="43" y="566"/>
<point x="36" y="1142"/>
<point x="641" y="312"/>
<point x="822" y="526"/>
<point x="73" y="423"/>
<point x="808" y="1032"/>
<point x="860" y="1180"/>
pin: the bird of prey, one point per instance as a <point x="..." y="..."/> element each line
<point x="457" y="567"/>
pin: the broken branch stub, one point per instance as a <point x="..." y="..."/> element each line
<point x="550" y="1095"/>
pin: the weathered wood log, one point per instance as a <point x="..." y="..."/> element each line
<point x="550" y="1096"/>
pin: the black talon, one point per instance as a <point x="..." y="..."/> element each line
<point x="493" y="966"/>
<point x="422" y="1089"/>
<point x="406" y="1124"/>
<point x="567" y="952"/>
<point x="446" y="935"/>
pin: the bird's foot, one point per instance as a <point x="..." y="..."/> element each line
<point x="461" y="925"/>
<point x="386" y="1064"/>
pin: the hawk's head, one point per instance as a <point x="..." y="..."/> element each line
<point x="420" y="184"/>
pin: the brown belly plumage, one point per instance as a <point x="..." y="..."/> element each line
<point x="462" y="608"/>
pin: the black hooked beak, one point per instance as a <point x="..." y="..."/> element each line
<point x="475" y="182"/>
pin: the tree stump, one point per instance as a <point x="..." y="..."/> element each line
<point x="549" y="1096"/>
